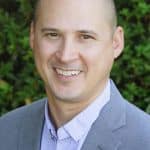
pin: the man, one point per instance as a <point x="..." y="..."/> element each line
<point x="75" y="43"/>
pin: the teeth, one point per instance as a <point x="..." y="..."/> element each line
<point x="67" y="73"/>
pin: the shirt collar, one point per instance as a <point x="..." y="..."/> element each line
<point x="80" y="124"/>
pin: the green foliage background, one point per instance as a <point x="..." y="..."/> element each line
<point x="19" y="81"/>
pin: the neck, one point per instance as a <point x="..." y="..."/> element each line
<point x="61" y="111"/>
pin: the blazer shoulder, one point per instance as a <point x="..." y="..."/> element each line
<point x="16" y="115"/>
<point x="136" y="115"/>
<point x="16" y="123"/>
<point x="137" y="128"/>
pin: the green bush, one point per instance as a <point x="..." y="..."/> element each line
<point x="19" y="81"/>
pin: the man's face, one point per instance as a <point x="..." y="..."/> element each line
<point x="74" y="48"/>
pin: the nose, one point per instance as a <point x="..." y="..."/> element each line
<point x="67" y="51"/>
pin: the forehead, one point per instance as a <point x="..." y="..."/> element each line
<point x="72" y="12"/>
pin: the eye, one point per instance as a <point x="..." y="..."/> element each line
<point x="53" y="35"/>
<point x="86" y="37"/>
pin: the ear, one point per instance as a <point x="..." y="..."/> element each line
<point x="32" y="35"/>
<point x="118" y="41"/>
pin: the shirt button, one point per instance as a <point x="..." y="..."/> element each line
<point x="53" y="137"/>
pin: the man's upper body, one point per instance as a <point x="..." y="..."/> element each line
<point x="75" y="44"/>
<point x="119" y="126"/>
<point x="74" y="52"/>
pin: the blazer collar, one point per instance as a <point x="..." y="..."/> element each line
<point x="31" y="128"/>
<point x="112" y="117"/>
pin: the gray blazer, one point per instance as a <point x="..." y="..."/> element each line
<point x="120" y="126"/>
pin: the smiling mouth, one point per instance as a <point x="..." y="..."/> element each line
<point x="67" y="73"/>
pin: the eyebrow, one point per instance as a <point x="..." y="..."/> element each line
<point x="79" y="31"/>
<point x="88" y="32"/>
<point x="49" y="29"/>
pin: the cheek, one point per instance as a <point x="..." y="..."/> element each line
<point x="43" y="50"/>
<point x="98" y="58"/>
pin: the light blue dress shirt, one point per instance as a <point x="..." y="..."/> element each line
<point x="71" y="135"/>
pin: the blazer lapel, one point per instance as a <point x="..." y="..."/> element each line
<point x="31" y="129"/>
<point x="112" y="117"/>
<point x="101" y="139"/>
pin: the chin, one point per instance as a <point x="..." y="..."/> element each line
<point x="67" y="97"/>
<point x="67" y="94"/>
